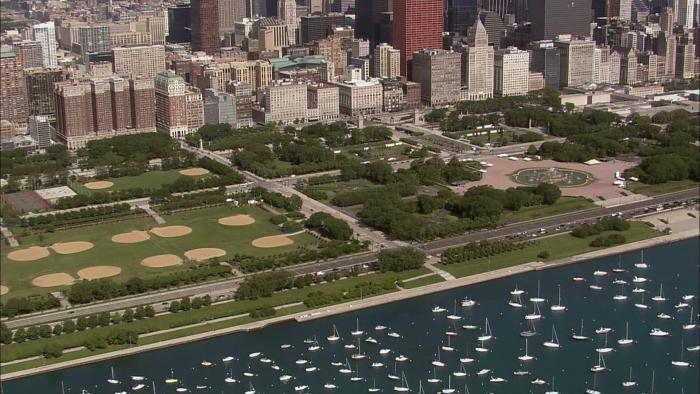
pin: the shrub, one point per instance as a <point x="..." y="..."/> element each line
<point x="543" y="254"/>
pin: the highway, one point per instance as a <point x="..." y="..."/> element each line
<point x="560" y="223"/>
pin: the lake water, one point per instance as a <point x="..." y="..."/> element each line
<point x="423" y="332"/>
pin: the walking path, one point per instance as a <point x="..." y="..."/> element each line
<point x="159" y="219"/>
<point x="9" y="237"/>
<point x="430" y="264"/>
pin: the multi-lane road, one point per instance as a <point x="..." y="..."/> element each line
<point x="531" y="228"/>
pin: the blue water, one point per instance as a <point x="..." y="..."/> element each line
<point x="422" y="332"/>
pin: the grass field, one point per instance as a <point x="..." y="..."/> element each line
<point x="151" y="180"/>
<point x="661" y="188"/>
<point x="428" y="280"/>
<point x="563" y="205"/>
<point x="333" y="188"/>
<point x="558" y="246"/>
<point x="206" y="232"/>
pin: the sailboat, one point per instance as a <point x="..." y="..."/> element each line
<point x="605" y="348"/>
<point x="314" y="346"/>
<point x="251" y="389"/>
<point x="641" y="264"/>
<point x="438" y="362"/>
<point x="487" y="332"/>
<point x="454" y="315"/>
<point x="690" y="324"/>
<point x="359" y="355"/>
<point x="449" y="388"/>
<point x="538" y="298"/>
<point x="681" y="363"/>
<point x="374" y="388"/>
<point x="468" y="302"/>
<point x="595" y="384"/>
<point x="334" y="335"/>
<point x="529" y="333"/>
<point x="619" y="268"/>
<point x="552" y="390"/>
<point x="112" y="379"/>
<point x="466" y="359"/>
<point x="554" y="341"/>
<point x="357" y="330"/>
<point x="580" y="336"/>
<point x="558" y="307"/>
<point x="434" y="379"/>
<point x="171" y="379"/>
<point x="600" y="367"/>
<point x="357" y="377"/>
<point x="660" y="297"/>
<point x="229" y="377"/>
<point x="641" y="305"/>
<point x="653" y="378"/>
<point x="404" y="385"/>
<point x="461" y="373"/>
<point x="393" y="376"/>
<point x="516" y="291"/>
<point x="525" y="357"/>
<point x="346" y="370"/>
<point x="448" y="347"/>
<point x="516" y="301"/>
<point x="535" y="313"/>
<point x="481" y="348"/>
<point x="626" y="340"/>
<point x="629" y="382"/>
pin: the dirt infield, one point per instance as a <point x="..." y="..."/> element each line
<point x="52" y="280"/>
<point x="171" y="231"/>
<point x="132" y="237"/>
<point x="4" y="290"/>
<point x="194" y="171"/>
<point x="98" y="185"/>
<point x="29" y="254"/>
<point x="161" y="260"/>
<point x="72" y="247"/>
<point x="273" y="241"/>
<point x="237" y="220"/>
<point x="202" y="254"/>
<point x="99" y="271"/>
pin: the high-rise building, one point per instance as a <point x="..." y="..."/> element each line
<point x="12" y="90"/>
<point x="666" y="47"/>
<point x="317" y="27"/>
<point x="550" y="18"/>
<point x="144" y="61"/>
<point x="29" y="53"/>
<point x="418" y="24"/>
<point x="285" y="102"/>
<point x="628" y="66"/>
<point x="87" y="110"/>
<point x="576" y="62"/>
<point x="387" y="61"/>
<point x="39" y="84"/>
<point x="360" y="97"/>
<point x="545" y="58"/>
<point x="179" y="108"/>
<point x="324" y="99"/>
<point x="94" y="39"/>
<point x="461" y="14"/>
<point x="230" y="12"/>
<point x="685" y="61"/>
<point x="204" y="19"/>
<point x="335" y="48"/>
<point x="219" y="107"/>
<point x="477" y="64"/>
<point x="45" y="33"/>
<point x="684" y="12"/>
<point x="244" y="102"/>
<point x="373" y="20"/>
<point x="511" y="72"/>
<point x="179" y="23"/>
<point x="621" y="9"/>
<point x="287" y="12"/>
<point x="40" y="130"/>
<point x="436" y="71"/>
<point x="499" y="7"/>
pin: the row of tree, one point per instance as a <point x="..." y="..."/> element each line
<point x="477" y="250"/>
<point x="329" y="227"/>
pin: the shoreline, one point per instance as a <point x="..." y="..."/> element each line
<point x="363" y="304"/>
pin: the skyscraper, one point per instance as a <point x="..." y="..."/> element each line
<point x="14" y="99"/>
<point x="510" y="72"/>
<point x="39" y="83"/>
<point x="545" y="58"/>
<point x="29" y="53"/>
<point x="684" y="12"/>
<point x="372" y="20"/>
<point x="45" y="33"/>
<point x="287" y="11"/>
<point x="387" y="61"/>
<point x="576" y="65"/>
<point x="418" y="24"/>
<point x="40" y="130"/>
<point x="551" y="18"/>
<point x="144" y="61"/>
<point x="230" y="12"/>
<point x="461" y="14"/>
<point x="204" y="19"/>
<point x="477" y="64"/>
<point x="435" y="70"/>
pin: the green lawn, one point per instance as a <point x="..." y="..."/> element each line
<point x="206" y="232"/>
<point x="562" y="206"/>
<point x="428" y="280"/>
<point x="558" y="246"/>
<point x="151" y="179"/>
<point x="661" y="188"/>
<point x="333" y="188"/>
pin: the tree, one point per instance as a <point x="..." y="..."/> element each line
<point x="5" y="334"/>
<point x="103" y="319"/>
<point x="550" y="193"/>
<point x="52" y="350"/>
<point x="69" y="326"/>
<point x="45" y="331"/>
<point x="116" y="318"/>
<point x="206" y="300"/>
<point x="185" y="303"/>
<point x="531" y="150"/>
<point x="197" y="303"/>
<point x="174" y="307"/>
<point x="57" y="329"/>
<point x="20" y="335"/>
<point x="140" y="313"/>
<point x="401" y="259"/>
<point x="149" y="311"/>
<point x="33" y="333"/>
<point x="128" y="315"/>
<point x="92" y="321"/>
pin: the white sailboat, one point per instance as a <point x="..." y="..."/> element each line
<point x="438" y="309"/>
<point x="229" y="377"/>
<point x="438" y="362"/>
<point x="691" y="323"/>
<point x="448" y="347"/>
<point x="629" y="382"/>
<point x="346" y="370"/>
<point x="359" y="355"/>
<point x="393" y="376"/>
<point x="334" y="335"/>
<point x="466" y="359"/>
<point x="449" y="389"/>
<point x="531" y="332"/>
<point x="313" y="348"/>
<point x="626" y="340"/>
<point x="468" y="302"/>
<point x="579" y="336"/>
<point x="553" y="343"/>
<point x="657" y="332"/>
<point x="434" y="379"/>
<point x="681" y="362"/>
<point x="357" y="331"/>
<point x="595" y="384"/>
<point x="454" y="315"/>
<point x="558" y="307"/>
<point x="552" y="390"/>
<point x="619" y="268"/>
<point x="538" y="298"/>
<point x="600" y="367"/>
<point x="535" y="315"/>
<point x="641" y="264"/>
<point x="487" y="332"/>
<point x="605" y="348"/>
<point x="641" y="305"/>
<point x="461" y="373"/>
<point x="112" y="379"/>
<point x="374" y="388"/>
<point x="599" y="273"/>
<point x="357" y="377"/>
<point x="516" y="301"/>
<point x="329" y="386"/>
<point x="639" y="279"/>
<point x="660" y="297"/>
<point x="525" y="357"/>
<point x="251" y="389"/>
<point x="516" y="291"/>
<point x="404" y="385"/>
<point x="481" y="348"/>
<point x="171" y="379"/>
<point x="693" y="348"/>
